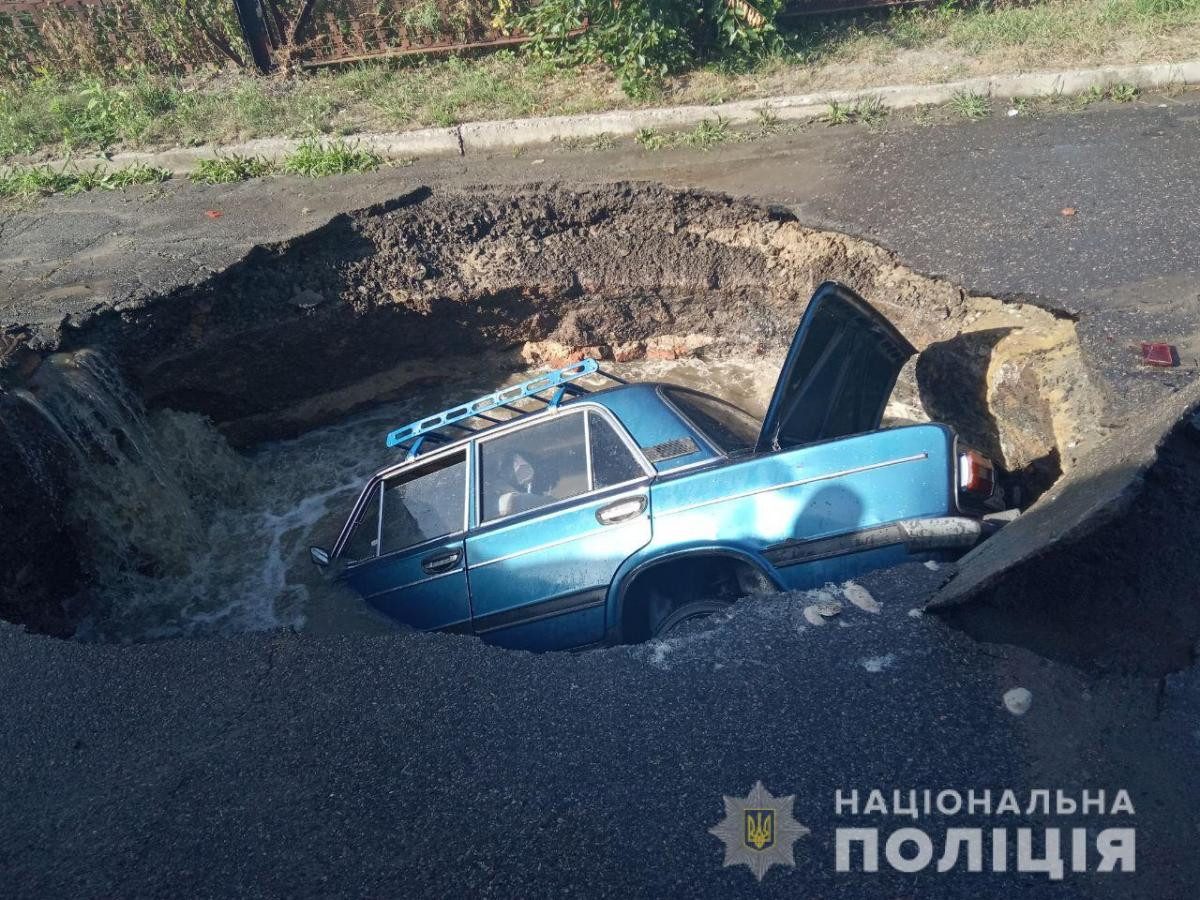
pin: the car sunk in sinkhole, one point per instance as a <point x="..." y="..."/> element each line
<point x="576" y="509"/>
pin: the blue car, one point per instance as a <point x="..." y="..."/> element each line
<point x="554" y="515"/>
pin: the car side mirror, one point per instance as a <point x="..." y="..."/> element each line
<point x="319" y="556"/>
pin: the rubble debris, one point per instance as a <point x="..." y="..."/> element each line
<point x="1159" y="354"/>
<point x="861" y="597"/>
<point x="1018" y="700"/>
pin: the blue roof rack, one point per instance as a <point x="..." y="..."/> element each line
<point x="433" y="429"/>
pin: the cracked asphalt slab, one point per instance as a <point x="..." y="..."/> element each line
<point x="422" y="764"/>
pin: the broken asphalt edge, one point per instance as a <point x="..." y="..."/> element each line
<point x="474" y="137"/>
<point x="1099" y="489"/>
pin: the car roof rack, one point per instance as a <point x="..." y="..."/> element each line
<point x="497" y="408"/>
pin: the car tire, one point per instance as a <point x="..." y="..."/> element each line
<point x="687" y="612"/>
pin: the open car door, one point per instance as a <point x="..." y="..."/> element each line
<point x="839" y="372"/>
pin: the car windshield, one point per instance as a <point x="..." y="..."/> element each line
<point x="732" y="430"/>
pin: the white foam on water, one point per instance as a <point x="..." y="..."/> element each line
<point x="812" y="616"/>
<point x="184" y="535"/>
<point x="659" y="651"/>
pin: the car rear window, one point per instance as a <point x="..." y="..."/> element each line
<point x="731" y="429"/>
<point x="547" y="462"/>
<point x="612" y="461"/>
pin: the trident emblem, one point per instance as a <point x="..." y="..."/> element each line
<point x="760" y="828"/>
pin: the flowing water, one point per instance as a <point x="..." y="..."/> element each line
<point x="187" y="536"/>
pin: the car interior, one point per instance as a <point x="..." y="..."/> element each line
<point x="555" y="451"/>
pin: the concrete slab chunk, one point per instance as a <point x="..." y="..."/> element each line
<point x="1099" y="570"/>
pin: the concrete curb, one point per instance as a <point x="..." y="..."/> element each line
<point x="475" y="137"/>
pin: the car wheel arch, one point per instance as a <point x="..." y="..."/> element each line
<point x="625" y="581"/>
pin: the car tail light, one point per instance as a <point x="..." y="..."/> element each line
<point x="976" y="474"/>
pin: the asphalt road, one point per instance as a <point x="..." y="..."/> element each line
<point x="420" y="765"/>
<point x="414" y="765"/>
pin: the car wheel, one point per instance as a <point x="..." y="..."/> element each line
<point x="686" y="612"/>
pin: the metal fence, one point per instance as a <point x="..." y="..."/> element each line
<point x="100" y="36"/>
<point x="323" y="32"/>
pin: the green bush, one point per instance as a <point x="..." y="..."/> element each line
<point x="229" y="168"/>
<point x="645" y="40"/>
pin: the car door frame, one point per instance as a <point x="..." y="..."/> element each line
<point x="619" y="493"/>
<point x="459" y="537"/>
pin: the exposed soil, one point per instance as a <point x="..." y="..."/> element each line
<point x="436" y="276"/>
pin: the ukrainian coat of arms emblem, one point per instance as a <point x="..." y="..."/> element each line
<point x="759" y="831"/>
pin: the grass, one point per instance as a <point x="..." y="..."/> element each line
<point x="768" y="121"/>
<point x="127" y="176"/>
<point x="970" y="105"/>
<point x="31" y="181"/>
<point x="1123" y="93"/>
<point x="840" y="113"/>
<point x="651" y="138"/>
<point x="600" y="142"/>
<point x="54" y="116"/>
<point x="705" y="135"/>
<point x="317" y="159"/>
<point x="866" y="111"/>
<point x="1118" y="93"/>
<point x="230" y="168"/>
<point x="312" y="158"/>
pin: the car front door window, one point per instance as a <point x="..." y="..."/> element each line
<point x="422" y="504"/>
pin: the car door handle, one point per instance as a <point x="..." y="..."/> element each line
<point x="621" y="511"/>
<point x="441" y="562"/>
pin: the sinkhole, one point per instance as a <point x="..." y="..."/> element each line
<point x="169" y="461"/>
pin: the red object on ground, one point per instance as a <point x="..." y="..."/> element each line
<point x="213" y="213"/>
<point x="1154" y="354"/>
